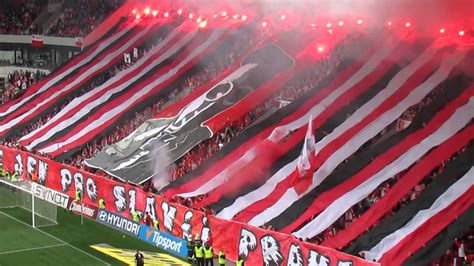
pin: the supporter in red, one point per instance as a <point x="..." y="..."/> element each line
<point x="148" y="219"/>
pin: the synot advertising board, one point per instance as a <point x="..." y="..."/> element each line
<point x="119" y="222"/>
<point x="163" y="240"/>
<point x="50" y="195"/>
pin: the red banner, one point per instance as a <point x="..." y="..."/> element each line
<point x="256" y="246"/>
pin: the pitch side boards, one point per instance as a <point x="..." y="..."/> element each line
<point x="164" y="241"/>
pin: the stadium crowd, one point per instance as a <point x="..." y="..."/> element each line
<point x="17" y="83"/>
<point x="17" y="16"/>
<point x="80" y="17"/>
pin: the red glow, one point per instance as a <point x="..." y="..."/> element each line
<point x="224" y="13"/>
<point x="147" y="11"/>
<point x="320" y="49"/>
<point x="389" y="23"/>
<point x="360" y="21"/>
<point x="166" y="14"/>
<point x="341" y="23"/>
<point x="154" y="13"/>
<point x="236" y="16"/>
<point x="180" y="11"/>
<point x="442" y="31"/>
<point x="329" y="25"/>
<point x="283" y="17"/>
<point x="138" y="16"/>
<point x="244" y="17"/>
<point x="199" y="20"/>
<point x="191" y="16"/>
<point x="313" y="25"/>
<point x="461" y="33"/>
<point x="408" y="24"/>
<point x="264" y="24"/>
<point x="134" y="11"/>
<point x="203" y="24"/>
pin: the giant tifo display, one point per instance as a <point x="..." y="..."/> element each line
<point x="283" y="132"/>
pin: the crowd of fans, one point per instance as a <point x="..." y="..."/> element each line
<point x="17" y="17"/>
<point x="17" y="83"/>
<point x="80" y="17"/>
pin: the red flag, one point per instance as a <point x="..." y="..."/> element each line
<point x="37" y="40"/>
<point x="79" y="42"/>
<point x="303" y="176"/>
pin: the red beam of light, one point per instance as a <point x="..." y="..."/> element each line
<point x="154" y="13"/>
<point x="461" y="33"/>
<point x="147" y="11"/>
<point x="360" y="21"/>
<point x="442" y="31"/>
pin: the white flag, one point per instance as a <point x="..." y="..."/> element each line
<point x="126" y="58"/>
<point x="309" y="147"/>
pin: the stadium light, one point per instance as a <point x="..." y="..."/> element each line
<point x="461" y="33"/>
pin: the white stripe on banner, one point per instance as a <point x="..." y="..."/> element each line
<point x="93" y="69"/>
<point x="362" y="137"/>
<point x="84" y="61"/>
<point x="130" y="101"/>
<point x="251" y="154"/>
<point x="393" y="86"/>
<point x="106" y="96"/>
<point x="336" y="209"/>
<point x="454" y="192"/>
